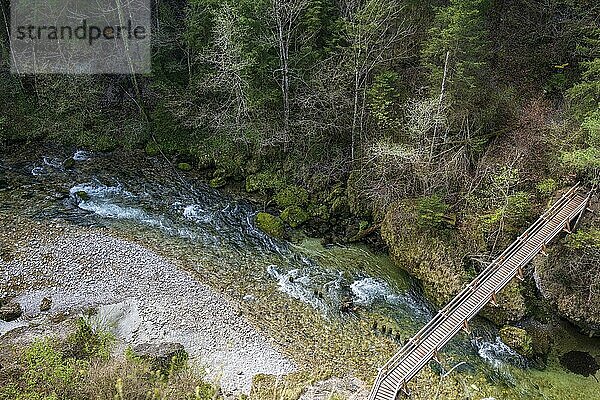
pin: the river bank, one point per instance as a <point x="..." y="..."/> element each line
<point x="141" y="298"/>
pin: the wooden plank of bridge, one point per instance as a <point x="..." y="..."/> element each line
<point x="424" y="346"/>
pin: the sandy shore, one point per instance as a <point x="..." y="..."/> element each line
<point x="141" y="297"/>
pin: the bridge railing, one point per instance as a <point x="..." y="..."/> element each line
<point x="489" y="271"/>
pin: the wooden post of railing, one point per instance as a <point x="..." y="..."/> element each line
<point x="564" y="214"/>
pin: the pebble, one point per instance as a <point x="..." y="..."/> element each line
<point x="79" y="268"/>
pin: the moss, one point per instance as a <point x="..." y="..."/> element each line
<point x="517" y="339"/>
<point x="152" y="149"/>
<point x="511" y="305"/>
<point x="270" y="224"/>
<point x="431" y="211"/>
<point x="232" y="163"/>
<point x="432" y="257"/>
<point x="184" y="166"/>
<point x="584" y="238"/>
<point x="362" y="225"/>
<point x="291" y="196"/>
<point x="319" y="211"/>
<point x="294" y="216"/>
<point x="569" y="275"/>
<point x="264" y="182"/>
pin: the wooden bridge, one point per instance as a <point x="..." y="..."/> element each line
<point x="424" y="346"/>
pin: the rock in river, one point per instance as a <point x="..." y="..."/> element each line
<point x="10" y="312"/>
<point x="45" y="304"/>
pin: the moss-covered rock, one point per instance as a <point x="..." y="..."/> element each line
<point x="511" y="305"/>
<point x="569" y="275"/>
<point x="319" y="211"/>
<point x="183" y="166"/>
<point x="432" y="257"/>
<point x="291" y="196"/>
<point x="270" y="224"/>
<point x="82" y="195"/>
<point x="264" y="182"/>
<point x="294" y="216"/>
<point x="152" y="149"/>
<point x="517" y="339"/>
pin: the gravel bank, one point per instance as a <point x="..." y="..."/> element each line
<point x="141" y="296"/>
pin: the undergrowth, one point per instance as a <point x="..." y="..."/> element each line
<point x="81" y="367"/>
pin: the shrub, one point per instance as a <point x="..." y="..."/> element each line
<point x="80" y="367"/>
<point x="547" y="187"/>
<point x="86" y="343"/>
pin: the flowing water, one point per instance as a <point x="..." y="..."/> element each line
<point x="345" y="307"/>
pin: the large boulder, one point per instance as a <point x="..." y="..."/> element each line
<point x="46" y="304"/>
<point x="517" y="339"/>
<point x="270" y="224"/>
<point x="10" y="311"/>
<point x="569" y="276"/>
<point x="431" y="246"/>
<point x="294" y="216"/>
<point x="291" y="196"/>
<point x="511" y="306"/>
<point x="432" y="259"/>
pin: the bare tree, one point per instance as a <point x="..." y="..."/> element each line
<point x="230" y="62"/>
<point x="374" y="29"/>
<point x="285" y="16"/>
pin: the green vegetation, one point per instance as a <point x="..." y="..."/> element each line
<point x="291" y="196"/>
<point x="518" y="339"/>
<point x="184" y="166"/>
<point x="547" y="187"/>
<point x="449" y="124"/>
<point x="431" y="212"/>
<point x="264" y="182"/>
<point x="290" y="387"/>
<point x="270" y="224"/>
<point x="294" y="216"/>
<point x="81" y="367"/>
